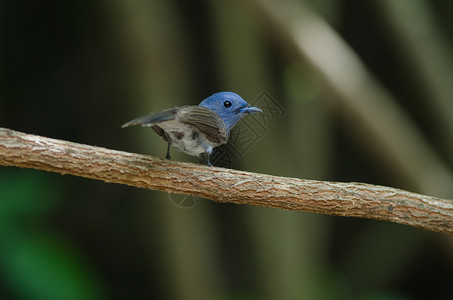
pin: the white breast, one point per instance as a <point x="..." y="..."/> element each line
<point x="186" y="138"/>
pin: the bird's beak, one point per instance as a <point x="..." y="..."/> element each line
<point x="249" y="109"/>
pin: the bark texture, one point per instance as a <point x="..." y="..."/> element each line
<point x="225" y="185"/>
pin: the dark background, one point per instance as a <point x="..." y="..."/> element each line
<point x="77" y="70"/>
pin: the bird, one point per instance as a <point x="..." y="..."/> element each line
<point x="197" y="129"/>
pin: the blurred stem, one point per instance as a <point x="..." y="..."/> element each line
<point x="329" y="9"/>
<point x="191" y="249"/>
<point x="424" y="43"/>
<point x="155" y="56"/>
<point x="240" y="49"/>
<point x="280" y="238"/>
<point x="367" y="107"/>
<point x="154" y="43"/>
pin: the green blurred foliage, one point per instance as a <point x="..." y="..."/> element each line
<point x="37" y="262"/>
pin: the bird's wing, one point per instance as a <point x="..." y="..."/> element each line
<point x="205" y="120"/>
<point x="154" y="118"/>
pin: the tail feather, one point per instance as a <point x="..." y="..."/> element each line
<point x="152" y="119"/>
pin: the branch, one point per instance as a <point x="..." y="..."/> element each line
<point x="225" y="185"/>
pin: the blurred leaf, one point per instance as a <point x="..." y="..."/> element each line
<point x="35" y="264"/>
<point x="25" y="195"/>
<point x="44" y="267"/>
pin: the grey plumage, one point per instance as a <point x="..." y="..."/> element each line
<point x="202" y="118"/>
<point x="196" y="130"/>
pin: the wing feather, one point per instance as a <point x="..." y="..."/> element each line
<point x="205" y="120"/>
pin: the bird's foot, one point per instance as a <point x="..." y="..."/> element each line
<point x="205" y="159"/>
<point x="168" y="149"/>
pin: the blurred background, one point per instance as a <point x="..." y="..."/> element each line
<point x="365" y="92"/>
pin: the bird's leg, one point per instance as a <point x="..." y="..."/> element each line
<point x="168" y="151"/>
<point x="205" y="157"/>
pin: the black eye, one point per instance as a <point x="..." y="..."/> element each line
<point x="227" y="104"/>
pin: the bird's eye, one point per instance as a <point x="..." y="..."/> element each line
<point x="227" y="104"/>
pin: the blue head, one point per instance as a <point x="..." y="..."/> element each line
<point x="229" y="106"/>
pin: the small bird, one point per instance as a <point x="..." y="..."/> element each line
<point x="198" y="129"/>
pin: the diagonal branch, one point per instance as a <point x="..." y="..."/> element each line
<point x="225" y="185"/>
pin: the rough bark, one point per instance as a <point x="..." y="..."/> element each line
<point x="225" y="185"/>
